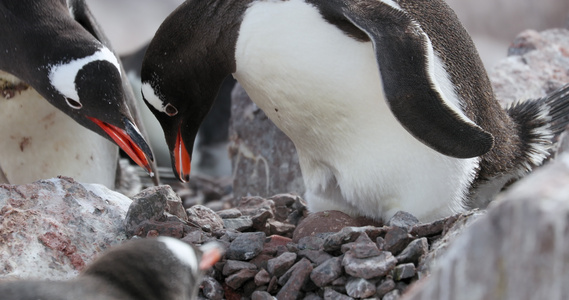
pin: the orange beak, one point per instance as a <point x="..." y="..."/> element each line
<point x="126" y="143"/>
<point x="182" y="159"/>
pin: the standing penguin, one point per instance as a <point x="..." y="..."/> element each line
<point x="143" y="269"/>
<point x="387" y="101"/>
<point x="54" y="50"/>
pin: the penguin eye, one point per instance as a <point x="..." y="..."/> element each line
<point x="170" y="110"/>
<point x="74" y="104"/>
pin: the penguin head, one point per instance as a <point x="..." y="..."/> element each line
<point x="59" y="50"/>
<point x="156" y="268"/>
<point x="182" y="73"/>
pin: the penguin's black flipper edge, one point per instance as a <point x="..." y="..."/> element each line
<point x="403" y="58"/>
<point x="82" y="15"/>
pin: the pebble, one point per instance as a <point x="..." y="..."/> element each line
<point x="236" y="280"/>
<point x="414" y="251"/>
<point x="370" y="267"/>
<point x="233" y="266"/>
<point x="360" y="288"/>
<point x="327" y="271"/>
<point x="260" y="295"/>
<point x="330" y="294"/>
<point x="279" y="265"/>
<point x="240" y="224"/>
<point x="404" y="271"/>
<point x="212" y="289"/>
<point x="246" y="246"/>
<point x="230" y="213"/>
<point x="386" y="286"/>
<point x="403" y="219"/>
<point x="262" y="278"/>
<point x="396" y="240"/>
<point x="298" y="277"/>
<point x="204" y="217"/>
<point x="393" y="295"/>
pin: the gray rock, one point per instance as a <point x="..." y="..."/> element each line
<point x="368" y="268"/>
<point x="264" y="159"/>
<point x="403" y="219"/>
<point x="233" y="266"/>
<point x="205" y="218"/>
<point x="360" y="288"/>
<point x="335" y="241"/>
<point x="258" y="209"/>
<point x="327" y="272"/>
<point x="52" y="228"/>
<point x="363" y="247"/>
<point x="516" y="251"/>
<point x="433" y="228"/>
<point x="315" y="256"/>
<point x="312" y="296"/>
<point x="230" y="213"/>
<point x="404" y="271"/>
<point x="236" y="280"/>
<point x="384" y="287"/>
<point x="279" y="265"/>
<point x="414" y="251"/>
<point x="263" y="277"/>
<point x="330" y="294"/>
<point x="313" y="242"/>
<point x="281" y="228"/>
<point x="239" y="224"/>
<point x="212" y="289"/>
<point x="246" y="246"/>
<point x="260" y="295"/>
<point x="396" y="239"/>
<point x="297" y="279"/>
<point x="393" y="295"/>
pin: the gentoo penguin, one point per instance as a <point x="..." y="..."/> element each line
<point x="56" y="51"/>
<point x="387" y="101"/>
<point x="210" y="155"/>
<point x="153" y="269"/>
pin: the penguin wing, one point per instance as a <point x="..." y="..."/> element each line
<point x="82" y="15"/>
<point x="405" y="60"/>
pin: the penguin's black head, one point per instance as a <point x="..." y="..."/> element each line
<point x="183" y="69"/>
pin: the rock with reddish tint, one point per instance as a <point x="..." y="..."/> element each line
<point x="331" y="294"/>
<point x="323" y="222"/>
<point x="393" y="295"/>
<point x="360" y="288"/>
<point x="299" y="274"/>
<point x="280" y="228"/>
<point x="312" y="296"/>
<point x="264" y="159"/>
<point x="260" y="295"/>
<point x="429" y="229"/>
<point x="52" y="228"/>
<point x="404" y="271"/>
<point x="236" y="280"/>
<point x="258" y="209"/>
<point x="397" y="239"/>
<point x="233" y="266"/>
<point x="313" y="242"/>
<point x="414" y="251"/>
<point x="327" y="272"/>
<point x="283" y="205"/>
<point x="279" y="265"/>
<point x="403" y="219"/>
<point x="335" y="241"/>
<point x="384" y="287"/>
<point x="246" y="246"/>
<point x="230" y="213"/>
<point x="239" y="224"/>
<point x="363" y="247"/>
<point x="205" y="218"/>
<point x="212" y="289"/>
<point x="276" y="245"/>
<point x="263" y="277"/>
<point x="368" y="268"/>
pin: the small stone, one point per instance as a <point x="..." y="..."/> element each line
<point x="335" y="241"/>
<point x="364" y="247"/>
<point x="330" y="294"/>
<point x="236" y="280"/>
<point x="312" y="296"/>
<point x="260" y="295"/>
<point x="384" y="287"/>
<point x="368" y="268"/>
<point x="212" y="289"/>
<point x="327" y="271"/>
<point x="393" y="295"/>
<point x="231" y="213"/>
<point x="233" y="266"/>
<point x="315" y="256"/>
<point x="433" y="228"/>
<point x="396" y="239"/>
<point x="360" y="288"/>
<point x="340" y="281"/>
<point x="279" y="265"/>
<point x="258" y="209"/>
<point x="414" y="251"/>
<point x="281" y="228"/>
<point x="276" y="245"/>
<point x="204" y="217"/>
<point x="239" y="224"/>
<point x="312" y="242"/>
<point x="404" y="271"/>
<point x="323" y="222"/>
<point x="380" y="242"/>
<point x="273" y="285"/>
<point x="298" y="277"/>
<point x="402" y="219"/>
<point x="246" y="246"/>
<point x="263" y="277"/>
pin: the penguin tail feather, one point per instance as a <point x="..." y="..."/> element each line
<point x="540" y="122"/>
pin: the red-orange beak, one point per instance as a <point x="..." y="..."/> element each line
<point x="128" y="144"/>
<point x="182" y="159"/>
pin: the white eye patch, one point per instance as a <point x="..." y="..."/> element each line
<point x="62" y="76"/>
<point x="151" y="97"/>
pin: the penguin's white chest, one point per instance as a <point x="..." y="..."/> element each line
<point x="37" y="141"/>
<point x="323" y="89"/>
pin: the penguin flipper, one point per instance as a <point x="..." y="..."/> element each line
<point x="82" y="15"/>
<point x="405" y="60"/>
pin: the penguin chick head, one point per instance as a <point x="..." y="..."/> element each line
<point x="90" y="90"/>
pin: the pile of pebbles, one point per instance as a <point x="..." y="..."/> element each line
<point x="275" y="249"/>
